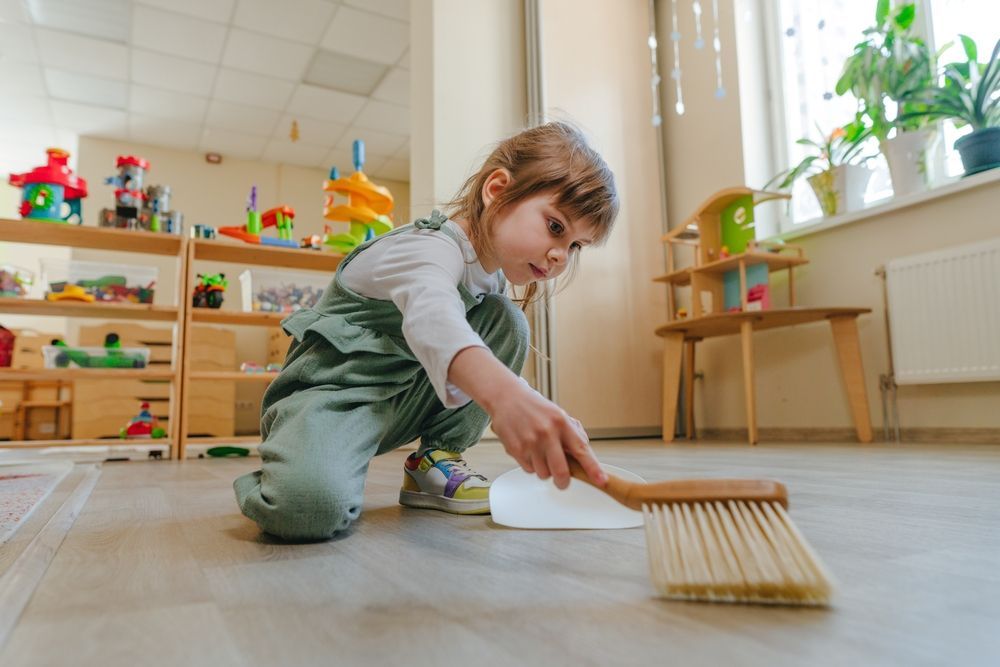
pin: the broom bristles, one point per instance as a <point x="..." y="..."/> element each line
<point x="736" y="551"/>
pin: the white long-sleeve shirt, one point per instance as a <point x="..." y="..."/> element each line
<point x="420" y="272"/>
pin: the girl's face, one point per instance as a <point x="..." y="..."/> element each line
<point x="533" y="240"/>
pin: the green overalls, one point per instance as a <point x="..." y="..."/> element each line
<point x="351" y="389"/>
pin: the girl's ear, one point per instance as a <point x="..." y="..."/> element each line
<point x="495" y="184"/>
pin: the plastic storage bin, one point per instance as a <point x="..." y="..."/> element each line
<point x="58" y="356"/>
<point x="104" y="282"/>
<point x="280" y="291"/>
<point x="15" y="281"/>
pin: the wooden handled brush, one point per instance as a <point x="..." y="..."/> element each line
<point x="723" y="540"/>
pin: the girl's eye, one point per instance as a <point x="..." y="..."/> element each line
<point x="555" y="227"/>
<point x="576" y="245"/>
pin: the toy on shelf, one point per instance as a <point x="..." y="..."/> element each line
<point x="15" y="281"/>
<point x="46" y="190"/>
<point x="210" y="290"/>
<point x="112" y="355"/>
<point x="143" y="425"/>
<point x="282" y="218"/>
<point x="202" y="232"/>
<point x="137" y="208"/>
<point x="367" y="209"/>
<point x="731" y="270"/>
<point x="79" y="280"/>
<point x="70" y="293"/>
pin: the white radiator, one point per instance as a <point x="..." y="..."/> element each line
<point x="944" y="314"/>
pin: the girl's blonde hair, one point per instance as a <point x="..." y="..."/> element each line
<point x="548" y="159"/>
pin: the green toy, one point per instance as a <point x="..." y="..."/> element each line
<point x="227" y="451"/>
<point x="113" y="357"/>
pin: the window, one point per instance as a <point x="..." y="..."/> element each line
<point x="811" y="40"/>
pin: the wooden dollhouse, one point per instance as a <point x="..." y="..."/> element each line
<point x="731" y="294"/>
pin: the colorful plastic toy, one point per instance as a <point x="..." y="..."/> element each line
<point x="143" y="425"/>
<point x="45" y="190"/>
<point x="135" y="207"/>
<point x="227" y="451"/>
<point x="282" y="218"/>
<point x="367" y="209"/>
<point x="114" y="356"/>
<point x="70" y="293"/>
<point x="113" y="288"/>
<point x="202" y="232"/>
<point x="15" y="281"/>
<point x="209" y="291"/>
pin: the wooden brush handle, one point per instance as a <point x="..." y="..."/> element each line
<point x="636" y="494"/>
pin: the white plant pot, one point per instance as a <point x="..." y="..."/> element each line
<point x="910" y="156"/>
<point x="841" y="189"/>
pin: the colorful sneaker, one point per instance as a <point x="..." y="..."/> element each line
<point x="443" y="481"/>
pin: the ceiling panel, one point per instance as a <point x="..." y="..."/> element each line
<point x="365" y="35"/>
<point x="230" y="76"/>
<point x="176" y="34"/>
<point x="300" y="21"/>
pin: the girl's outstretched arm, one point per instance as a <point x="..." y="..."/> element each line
<point x="534" y="430"/>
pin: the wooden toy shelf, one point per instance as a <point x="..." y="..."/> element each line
<point x="774" y="261"/>
<point x="223" y="250"/>
<point x="184" y="316"/>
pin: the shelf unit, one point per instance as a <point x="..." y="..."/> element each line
<point x="98" y="238"/>
<point x="221" y="250"/>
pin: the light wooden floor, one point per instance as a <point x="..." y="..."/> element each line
<point x="161" y="569"/>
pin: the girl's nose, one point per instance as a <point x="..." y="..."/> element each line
<point x="556" y="255"/>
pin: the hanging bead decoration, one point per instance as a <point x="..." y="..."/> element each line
<point x="699" y="42"/>
<point x="720" y="91"/>
<point x="654" y="82"/>
<point x="675" y="73"/>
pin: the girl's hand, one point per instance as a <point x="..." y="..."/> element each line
<point x="540" y="435"/>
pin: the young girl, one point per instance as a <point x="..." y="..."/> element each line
<point x="415" y="338"/>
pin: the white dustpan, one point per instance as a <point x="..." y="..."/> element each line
<point x="520" y="500"/>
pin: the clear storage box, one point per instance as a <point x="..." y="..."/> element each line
<point x="281" y="291"/>
<point x="58" y="356"/>
<point x="102" y="281"/>
<point x="15" y="281"/>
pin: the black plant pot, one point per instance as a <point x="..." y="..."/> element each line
<point x="980" y="150"/>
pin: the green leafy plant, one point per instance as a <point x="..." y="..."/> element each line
<point x="842" y="146"/>
<point x="970" y="93"/>
<point x="889" y="63"/>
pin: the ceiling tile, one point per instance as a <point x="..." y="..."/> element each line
<point x="232" y="144"/>
<point x="88" y="120"/>
<point x="300" y="21"/>
<point x="341" y="159"/>
<point x="261" y="54"/>
<point x="253" y="89"/>
<point x="82" y="54"/>
<point x="166" y="104"/>
<point x="163" y="132"/>
<point x="29" y="109"/>
<point x="404" y="60"/>
<point x="395" y="170"/>
<point x="394" y="88"/>
<point x="367" y="36"/>
<point x="396" y="9"/>
<point x="170" y="73"/>
<point x="344" y="73"/>
<point x="241" y="118"/>
<point x="404" y="151"/>
<point x="323" y="104"/>
<point x="176" y="34"/>
<point x="377" y="143"/>
<point x="17" y="43"/>
<point x="390" y="118"/>
<point x="311" y="131"/>
<point x="13" y="11"/>
<point x="297" y="153"/>
<point x="212" y="10"/>
<point x="25" y="78"/>
<point x="103" y="19"/>
<point x="94" y="90"/>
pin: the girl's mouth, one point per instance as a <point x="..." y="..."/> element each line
<point x="539" y="274"/>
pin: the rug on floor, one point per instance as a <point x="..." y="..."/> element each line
<point x="23" y="487"/>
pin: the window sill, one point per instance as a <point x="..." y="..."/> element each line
<point x="891" y="204"/>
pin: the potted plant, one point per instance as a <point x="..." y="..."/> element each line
<point x="970" y="95"/>
<point x="835" y="170"/>
<point x="889" y="64"/>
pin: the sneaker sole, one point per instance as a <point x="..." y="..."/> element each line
<point x="430" y="501"/>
